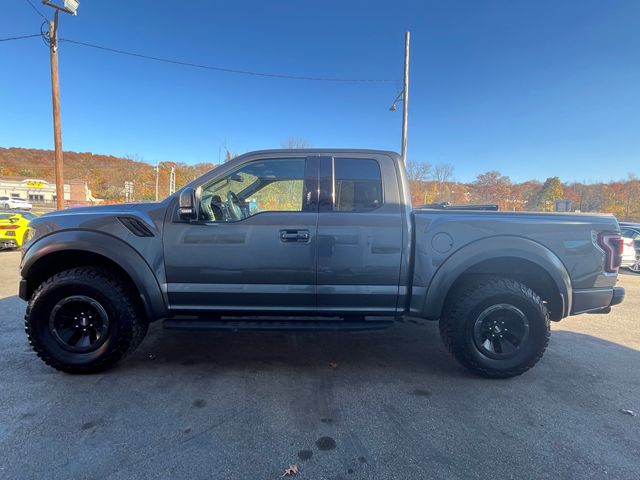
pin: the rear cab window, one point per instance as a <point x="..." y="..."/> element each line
<point x="357" y="185"/>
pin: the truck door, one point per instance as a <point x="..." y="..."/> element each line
<point x="254" y="246"/>
<point x="360" y="235"/>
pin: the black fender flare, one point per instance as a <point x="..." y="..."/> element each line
<point x="495" y="247"/>
<point x="108" y="246"/>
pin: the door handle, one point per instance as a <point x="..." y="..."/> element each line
<point x="288" y="236"/>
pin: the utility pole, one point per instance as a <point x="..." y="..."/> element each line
<point x="55" y="96"/>
<point x="71" y="7"/>
<point x="157" y="178"/>
<point x="405" y="98"/>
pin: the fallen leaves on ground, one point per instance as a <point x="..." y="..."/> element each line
<point x="292" y="470"/>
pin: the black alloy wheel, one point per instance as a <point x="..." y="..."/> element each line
<point x="79" y="323"/>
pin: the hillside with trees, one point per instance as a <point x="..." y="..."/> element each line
<point x="106" y="174"/>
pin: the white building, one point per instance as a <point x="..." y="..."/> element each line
<point x="41" y="191"/>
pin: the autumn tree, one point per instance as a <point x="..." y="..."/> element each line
<point x="592" y="198"/>
<point x="417" y="174"/>
<point x="494" y="188"/>
<point x="442" y="177"/>
<point x="631" y="198"/>
<point x="524" y="196"/>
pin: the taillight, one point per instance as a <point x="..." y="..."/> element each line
<point x="8" y="227"/>
<point x="612" y="244"/>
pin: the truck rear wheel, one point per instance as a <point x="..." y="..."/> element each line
<point x="496" y="328"/>
<point x="83" y="320"/>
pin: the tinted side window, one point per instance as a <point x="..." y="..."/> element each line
<point x="358" y="185"/>
<point x="260" y="186"/>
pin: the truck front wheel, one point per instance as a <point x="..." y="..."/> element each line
<point x="496" y="328"/>
<point x="83" y="320"/>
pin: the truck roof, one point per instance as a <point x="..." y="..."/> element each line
<point x="311" y="151"/>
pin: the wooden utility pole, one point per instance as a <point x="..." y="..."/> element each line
<point x="55" y="94"/>
<point x="405" y="98"/>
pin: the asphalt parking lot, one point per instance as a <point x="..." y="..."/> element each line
<point x="372" y="405"/>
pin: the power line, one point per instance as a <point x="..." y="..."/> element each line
<point x="227" y="70"/>
<point x="36" y="10"/>
<point x="19" y="38"/>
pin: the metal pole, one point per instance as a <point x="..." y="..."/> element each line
<point x="405" y="98"/>
<point x="157" y="179"/>
<point x="55" y="94"/>
<point x="172" y="181"/>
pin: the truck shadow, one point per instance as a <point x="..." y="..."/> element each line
<point x="403" y="351"/>
<point x="407" y="347"/>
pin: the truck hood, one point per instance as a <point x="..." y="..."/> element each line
<point x="103" y="209"/>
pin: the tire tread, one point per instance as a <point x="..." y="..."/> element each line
<point x="133" y="326"/>
<point x="466" y="299"/>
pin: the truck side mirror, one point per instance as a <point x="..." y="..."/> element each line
<point x="188" y="204"/>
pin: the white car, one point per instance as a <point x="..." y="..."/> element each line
<point x="631" y="233"/>
<point x="12" y="203"/>
<point x="628" y="253"/>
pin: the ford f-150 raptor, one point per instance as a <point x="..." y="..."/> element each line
<point x="311" y="239"/>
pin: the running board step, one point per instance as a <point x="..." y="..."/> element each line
<point x="288" y="325"/>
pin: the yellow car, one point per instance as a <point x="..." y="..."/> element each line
<point x="13" y="227"/>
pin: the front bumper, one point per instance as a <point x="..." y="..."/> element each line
<point x="596" y="300"/>
<point x="8" y="243"/>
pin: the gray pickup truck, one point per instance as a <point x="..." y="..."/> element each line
<point x="311" y="240"/>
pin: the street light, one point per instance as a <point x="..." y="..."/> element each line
<point x="68" y="6"/>
<point x="399" y="98"/>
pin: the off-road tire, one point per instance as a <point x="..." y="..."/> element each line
<point x="127" y="324"/>
<point x="465" y="308"/>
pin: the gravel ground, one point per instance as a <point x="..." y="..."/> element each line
<point x="368" y="405"/>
